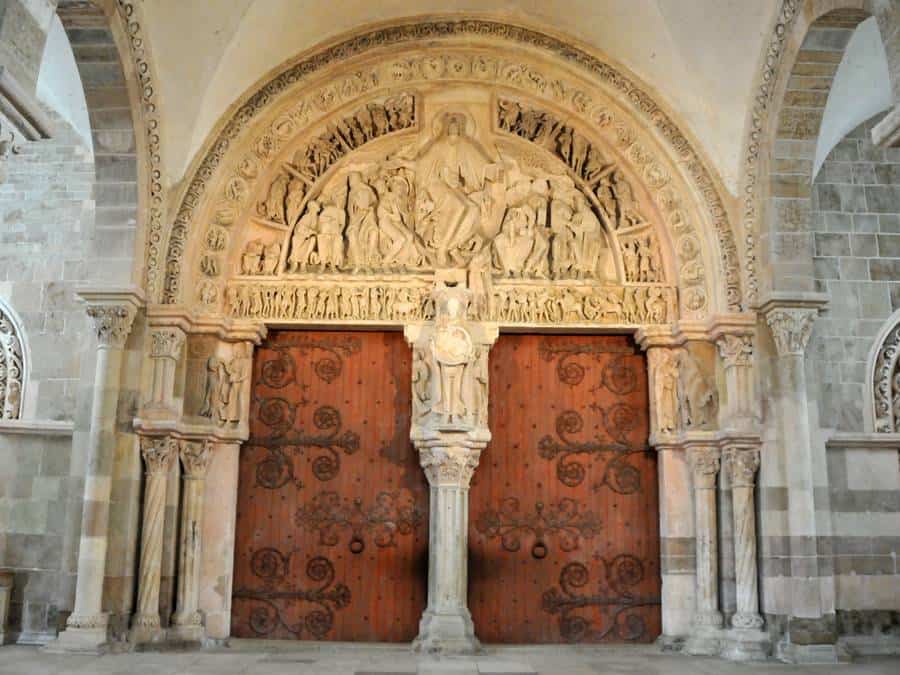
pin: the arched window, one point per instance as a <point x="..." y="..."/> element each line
<point x="12" y="364"/>
<point x="884" y="369"/>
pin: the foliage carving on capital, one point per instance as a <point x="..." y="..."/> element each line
<point x="449" y="466"/>
<point x="158" y="453"/>
<point x="791" y="328"/>
<point x="742" y="465"/>
<point x="736" y="350"/>
<point x="195" y="457"/>
<point x="166" y="343"/>
<point x="705" y="464"/>
<point x="112" y="323"/>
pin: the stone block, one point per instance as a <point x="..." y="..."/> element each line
<point x="852" y="269"/>
<point x="832" y="244"/>
<point x="835" y="172"/>
<point x="895" y="296"/>
<point x="793" y="187"/>
<point x="864" y="174"/>
<point x="884" y="270"/>
<point x="863" y="245"/>
<point x="852" y="198"/>
<point x="889" y="223"/>
<point x="865" y="223"/>
<point x="883" y="198"/>
<point x="887" y="174"/>
<point x="828" y="197"/>
<point x="827" y="268"/>
<point x="846" y="150"/>
<point x="889" y="245"/>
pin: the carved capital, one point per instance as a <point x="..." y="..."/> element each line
<point x="195" y="458"/>
<point x="705" y="464"/>
<point x="112" y="323"/>
<point x="791" y="328"/>
<point x="158" y="453"/>
<point x="166" y="343"/>
<point x="449" y="466"/>
<point x="736" y="350"/>
<point x="742" y="465"/>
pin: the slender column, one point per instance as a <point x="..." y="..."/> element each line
<point x="158" y="453"/>
<point x="742" y="464"/>
<point x="86" y="626"/>
<point x="195" y="458"/>
<point x="705" y="632"/>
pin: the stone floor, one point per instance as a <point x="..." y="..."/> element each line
<point x="268" y="658"/>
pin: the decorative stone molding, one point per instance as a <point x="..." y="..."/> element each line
<point x="12" y="365"/>
<point x="473" y="68"/>
<point x="736" y="350"/>
<point x="158" y="453"/>
<point x="112" y="324"/>
<point x="195" y="457"/>
<point x="791" y="329"/>
<point x="449" y="465"/>
<point x="884" y="369"/>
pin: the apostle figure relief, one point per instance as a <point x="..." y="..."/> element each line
<point x="568" y="245"/>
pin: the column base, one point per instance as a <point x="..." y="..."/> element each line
<point x="186" y="634"/>
<point x="80" y="640"/>
<point x="446" y="633"/>
<point x="788" y="652"/>
<point x="704" y="641"/>
<point x="746" y="644"/>
<point x="146" y="630"/>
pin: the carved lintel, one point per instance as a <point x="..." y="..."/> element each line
<point x="791" y="328"/>
<point x="736" y="350"/>
<point x="742" y="463"/>
<point x="195" y="457"/>
<point x="112" y="323"/>
<point x="158" y="453"/>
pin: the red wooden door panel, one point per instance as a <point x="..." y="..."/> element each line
<point x="564" y="526"/>
<point x="332" y="524"/>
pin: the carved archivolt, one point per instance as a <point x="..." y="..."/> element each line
<point x="886" y="384"/>
<point x="612" y="198"/>
<point x="12" y="368"/>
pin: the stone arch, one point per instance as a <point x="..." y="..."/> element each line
<point x="15" y="364"/>
<point x="793" y="88"/>
<point x="114" y="64"/>
<point x="882" y="404"/>
<point x="583" y="93"/>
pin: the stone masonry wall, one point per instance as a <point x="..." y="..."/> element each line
<point x="856" y="231"/>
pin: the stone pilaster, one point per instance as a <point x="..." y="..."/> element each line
<point x="745" y="639"/>
<point x="736" y="352"/>
<point x="811" y="634"/>
<point x="158" y="454"/>
<point x="706" y="634"/>
<point x="186" y="622"/>
<point x="112" y="314"/>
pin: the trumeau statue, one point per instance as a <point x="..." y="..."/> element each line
<point x="564" y="245"/>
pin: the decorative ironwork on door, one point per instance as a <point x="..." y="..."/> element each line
<point x="321" y="513"/>
<point x="564" y="538"/>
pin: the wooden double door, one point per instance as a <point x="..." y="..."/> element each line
<point x="332" y="529"/>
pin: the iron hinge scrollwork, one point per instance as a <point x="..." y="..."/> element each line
<point x="280" y="371"/>
<point x="618" y="375"/>
<point x="566" y="520"/>
<point x="272" y="567"/>
<point x="329" y="514"/>
<point x="615" y="599"/>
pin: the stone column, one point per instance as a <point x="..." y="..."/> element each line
<point x="449" y="460"/>
<point x="737" y="358"/>
<point x="158" y="453"/>
<point x="705" y="637"/>
<point x="746" y="640"/>
<point x="811" y="634"/>
<point x="86" y="629"/>
<point x="195" y="458"/>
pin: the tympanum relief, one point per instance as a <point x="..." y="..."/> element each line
<point x="347" y="232"/>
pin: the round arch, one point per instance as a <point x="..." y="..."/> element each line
<point x="676" y="197"/>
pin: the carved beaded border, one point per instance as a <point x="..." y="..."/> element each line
<point x="640" y="101"/>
